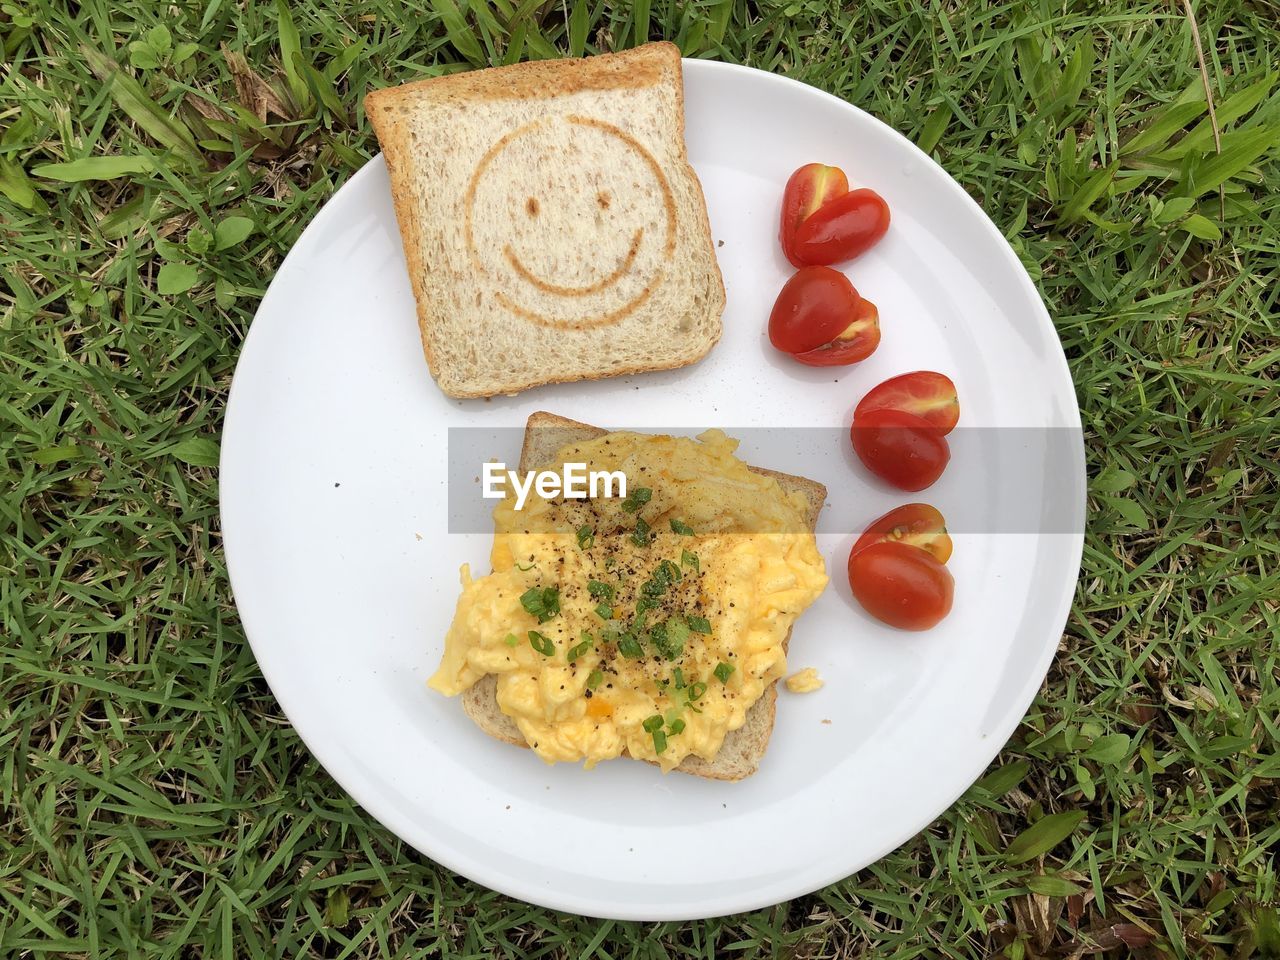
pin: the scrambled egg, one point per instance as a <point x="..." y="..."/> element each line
<point x="804" y="681"/>
<point x="648" y="625"/>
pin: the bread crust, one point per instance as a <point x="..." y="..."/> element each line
<point x="638" y="68"/>
<point x="740" y="755"/>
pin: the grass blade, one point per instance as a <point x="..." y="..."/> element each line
<point x="291" y="47"/>
<point x="17" y="186"/>
<point x="1230" y="110"/>
<point x="1164" y="123"/>
<point x="343" y="61"/>
<point x="721" y="17"/>
<point x="142" y="109"/>
<point x="1048" y="885"/>
<point x="321" y="88"/>
<point x="934" y="127"/>
<point x="1043" y="835"/>
<point x="1089" y="193"/>
<point x="94" y="168"/>
<point x="1003" y="779"/>
<point x="579" y="24"/>
<point x="640" y="21"/>
<point x="459" y="33"/>
<point x="1240" y="150"/>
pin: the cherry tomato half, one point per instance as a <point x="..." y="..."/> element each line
<point x="842" y="228"/>
<point x="916" y="525"/>
<point x="808" y="189"/>
<point x="900" y="448"/>
<point x="858" y="341"/>
<point x="819" y="311"/>
<point x="925" y="394"/>
<point x="901" y="585"/>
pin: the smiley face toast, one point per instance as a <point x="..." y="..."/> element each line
<point x="552" y="226"/>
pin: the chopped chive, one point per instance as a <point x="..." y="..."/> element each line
<point x="652" y="723"/>
<point x="638" y="623"/>
<point x="594" y="679"/>
<point x="630" y="647"/>
<point x="658" y="635"/>
<point x="526" y="569"/>
<point x="604" y="611"/>
<point x="542" y="644"/>
<point x="579" y="649"/>
<point x="599" y="589"/>
<point x="641" y="536"/>
<point x="682" y="528"/>
<point x="541" y="602"/>
<point x="677" y="727"/>
<point x="723" y="671"/>
<point x="679" y="676"/>
<point x="674" y="636"/>
<point x="696" y="690"/>
<point x="586" y="537"/>
<point x="699" y="624"/>
<point x="659" y="741"/>
<point x="664" y="574"/>
<point x="688" y="559"/>
<point x="636" y="499"/>
<point x="511" y="640"/>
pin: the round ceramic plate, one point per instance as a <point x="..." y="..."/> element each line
<point x="334" y="469"/>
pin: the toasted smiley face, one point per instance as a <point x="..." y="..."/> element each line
<point x="583" y="235"/>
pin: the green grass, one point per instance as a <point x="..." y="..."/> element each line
<point x="155" y="801"/>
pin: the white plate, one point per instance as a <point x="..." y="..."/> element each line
<point x="346" y="607"/>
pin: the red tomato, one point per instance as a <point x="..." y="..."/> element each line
<point x="808" y="189"/>
<point x="819" y="311"/>
<point x="858" y="341"/>
<point x="925" y="394"/>
<point x="842" y="228"/>
<point x="899" y="448"/>
<point x="900" y="585"/>
<point x="916" y="525"/>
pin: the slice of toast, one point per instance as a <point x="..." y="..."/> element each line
<point x="739" y="756"/>
<point x="552" y="225"/>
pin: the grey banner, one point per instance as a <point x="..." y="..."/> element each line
<point x="998" y="480"/>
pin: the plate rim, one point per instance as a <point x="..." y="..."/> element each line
<point x="482" y="872"/>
